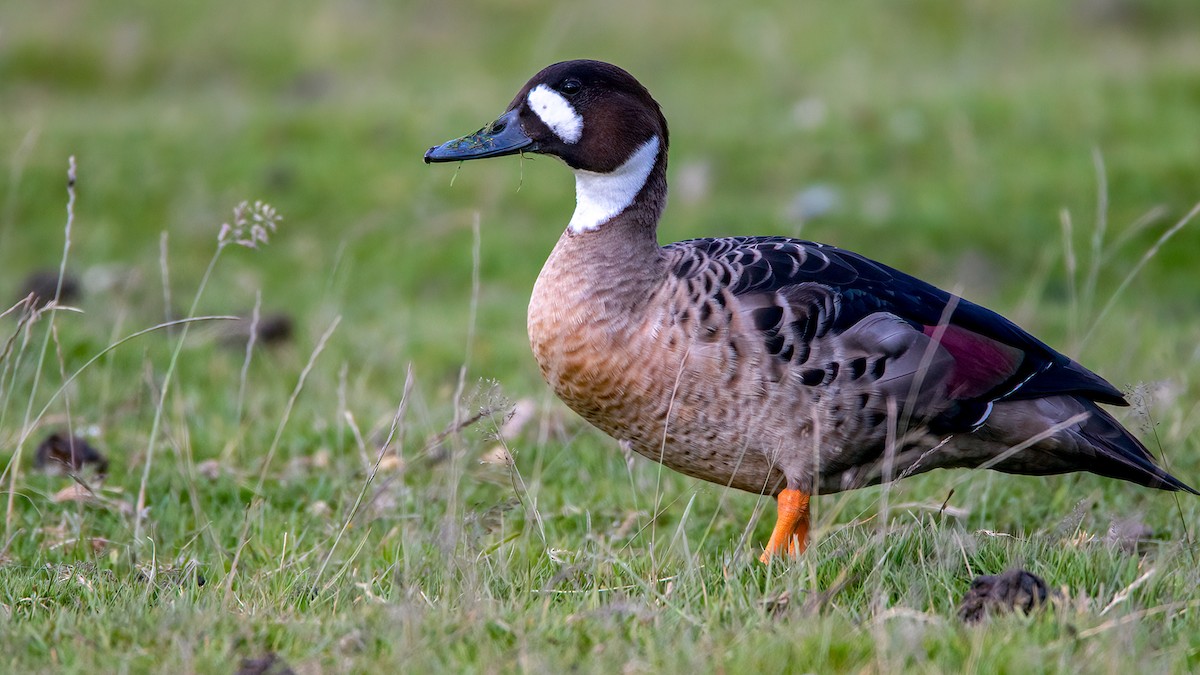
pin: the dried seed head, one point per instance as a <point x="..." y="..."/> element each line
<point x="252" y="224"/>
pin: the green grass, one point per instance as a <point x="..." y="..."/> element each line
<point x="954" y="135"/>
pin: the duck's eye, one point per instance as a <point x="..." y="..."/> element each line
<point x="570" y="86"/>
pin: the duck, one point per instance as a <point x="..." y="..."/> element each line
<point x="768" y="364"/>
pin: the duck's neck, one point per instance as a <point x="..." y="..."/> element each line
<point x="636" y="190"/>
<point x="608" y="261"/>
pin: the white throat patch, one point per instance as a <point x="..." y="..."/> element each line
<point x="556" y="113"/>
<point x="601" y="196"/>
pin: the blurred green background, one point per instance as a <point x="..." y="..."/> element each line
<point x="943" y="138"/>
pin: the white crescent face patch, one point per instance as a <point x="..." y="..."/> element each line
<point x="556" y="113"/>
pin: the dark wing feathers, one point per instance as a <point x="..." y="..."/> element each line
<point x="827" y="289"/>
<point x="999" y="360"/>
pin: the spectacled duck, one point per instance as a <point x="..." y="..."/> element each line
<point x="767" y="364"/>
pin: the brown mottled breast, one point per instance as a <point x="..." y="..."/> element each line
<point x="629" y="352"/>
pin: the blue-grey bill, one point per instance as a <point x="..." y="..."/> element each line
<point x="502" y="137"/>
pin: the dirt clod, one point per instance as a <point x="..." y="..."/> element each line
<point x="267" y="664"/>
<point x="43" y="284"/>
<point x="1014" y="589"/>
<point x="62" y="452"/>
<point x="271" y="330"/>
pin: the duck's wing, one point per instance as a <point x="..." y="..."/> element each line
<point x="993" y="358"/>
<point x="884" y="338"/>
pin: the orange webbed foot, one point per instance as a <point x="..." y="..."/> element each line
<point x="791" y="526"/>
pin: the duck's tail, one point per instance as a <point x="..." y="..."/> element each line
<point x="1097" y="443"/>
<point x="1119" y="454"/>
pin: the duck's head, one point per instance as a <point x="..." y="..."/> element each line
<point x="592" y="115"/>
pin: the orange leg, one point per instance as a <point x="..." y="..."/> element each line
<point x="791" y="526"/>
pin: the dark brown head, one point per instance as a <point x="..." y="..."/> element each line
<point x="592" y="115"/>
